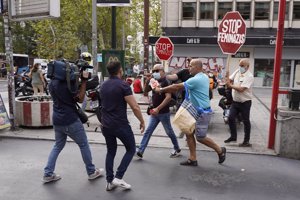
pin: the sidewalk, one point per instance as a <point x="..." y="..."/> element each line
<point x="218" y="130"/>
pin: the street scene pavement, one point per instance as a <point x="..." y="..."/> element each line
<point x="241" y="177"/>
<point x="248" y="173"/>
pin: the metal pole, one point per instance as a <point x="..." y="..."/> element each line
<point x="146" y="35"/>
<point x="113" y="28"/>
<point x="277" y="63"/>
<point x="94" y="36"/>
<point x="9" y="57"/>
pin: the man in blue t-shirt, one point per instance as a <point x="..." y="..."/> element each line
<point x="66" y="123"/>
<point x="198" y="88"/>
<point x="115" y="95"/>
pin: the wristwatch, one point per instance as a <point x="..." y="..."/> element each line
<point x="161" y="90"/>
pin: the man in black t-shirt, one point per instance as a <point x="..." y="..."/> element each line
<point x="116" y="94"/>
<point x="159" y="113"/>
<point x="183" y="75"/>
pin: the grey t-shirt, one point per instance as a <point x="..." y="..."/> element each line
<point x="36" y="79"/>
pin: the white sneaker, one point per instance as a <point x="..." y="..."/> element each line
<point x="110" y="186"/>
<point x="54" y="177"/>
<point x="96" y="174"/>
<point x="121" y="183"/>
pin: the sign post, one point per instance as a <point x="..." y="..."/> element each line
<point x="231" y="35"/>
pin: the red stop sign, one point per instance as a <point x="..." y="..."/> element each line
<point x="231" y="32"/>
<point x="164" y="48"/>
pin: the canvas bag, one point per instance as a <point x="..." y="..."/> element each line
<point x="186" y="116"/>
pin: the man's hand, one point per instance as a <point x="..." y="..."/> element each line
<point x="85" y="75"/>
<point x="157" y="89"/>
<point x="154" y="111"/>
<point x="142" y="127"/>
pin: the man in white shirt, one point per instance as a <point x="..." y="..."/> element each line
<point x="136" y="70"/>
<point x="241" y="82"/>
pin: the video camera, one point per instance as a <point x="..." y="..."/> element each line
<point x="64" y="70"/>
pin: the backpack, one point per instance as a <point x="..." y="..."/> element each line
<point x="64" y="71"/>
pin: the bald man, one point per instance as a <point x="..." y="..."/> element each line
<point x="198" y="88"/>
<point x="241" y="82"/>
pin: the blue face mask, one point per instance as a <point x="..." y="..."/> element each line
<point x="156" y="75"/>
<point x="242" y="70"/>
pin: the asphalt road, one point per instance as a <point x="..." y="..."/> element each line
<point x="157" y="177"/>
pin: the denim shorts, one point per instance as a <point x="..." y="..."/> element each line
<point x="202" y="125"/>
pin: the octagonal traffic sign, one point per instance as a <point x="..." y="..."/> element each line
<point x="231" y="32"/>
<point x="164" y="48"/>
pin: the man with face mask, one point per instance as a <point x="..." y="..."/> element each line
<point x="241" y="82"/>
<point x="159" y="113"/>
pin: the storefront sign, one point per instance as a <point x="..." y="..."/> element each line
<point x="193" y="40"/>
<point x="241" y="55"/>
<point x="112" y="56"/>
<point x="257" y="41"/>
<point x="4" y="120"/>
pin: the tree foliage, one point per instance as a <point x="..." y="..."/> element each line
<point x="65" y="35"/>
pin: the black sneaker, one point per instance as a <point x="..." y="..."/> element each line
<point x="222" y="156"/>
<point x="245" y="144"/>
<point x="175" y="153"/>
<point x="139" y="155"/>
<point x="230" y="140"/>
<point x="189" y="162"/>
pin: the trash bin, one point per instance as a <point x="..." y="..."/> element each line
<point x="294" y="99"/>
<point x="287" y="142"/>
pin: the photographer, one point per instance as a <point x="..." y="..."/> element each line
<point x="67" y="123"/>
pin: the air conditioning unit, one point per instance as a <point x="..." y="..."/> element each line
<point x="22" y="10"/>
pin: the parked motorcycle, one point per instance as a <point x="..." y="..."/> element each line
<point x="23" y="85"/>
<point x="225" y="103"/>
<point x="92" y="102"/>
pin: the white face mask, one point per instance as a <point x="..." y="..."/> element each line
<point x="242" y="70"/>
<point x="156" y="75"/>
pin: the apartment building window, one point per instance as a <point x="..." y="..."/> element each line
<point x="296" y="11"/>
<point x="223" y="8"/>
<point x="189" y="10"/>
<point x="276" y="6"/>
<point x="206" y="10"/>
<point x="262" y="10"/>
<point x="244" y="8"/>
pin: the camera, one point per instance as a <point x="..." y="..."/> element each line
<point x="84" y="66"/>
<point x="63" y="69"/>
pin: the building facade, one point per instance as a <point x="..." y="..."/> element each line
<point x="192" y="25"/>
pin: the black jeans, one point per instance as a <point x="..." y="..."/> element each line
<point x="244" y="109"/>
<point x="126" y="136"/>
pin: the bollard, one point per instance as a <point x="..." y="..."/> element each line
<point x="34" y="111"/>
<point x="287" y="141"/>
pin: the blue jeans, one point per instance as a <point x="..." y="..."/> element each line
<point x="77" y="133"/>
<point x="125" y="134"/>
<point x="153" y="122"/>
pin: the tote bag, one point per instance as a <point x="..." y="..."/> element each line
<point x="186" y="116"/>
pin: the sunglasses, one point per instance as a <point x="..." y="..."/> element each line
<point x="154" y="71"/>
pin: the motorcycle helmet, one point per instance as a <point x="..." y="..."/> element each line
<point x="87" y="57"/>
